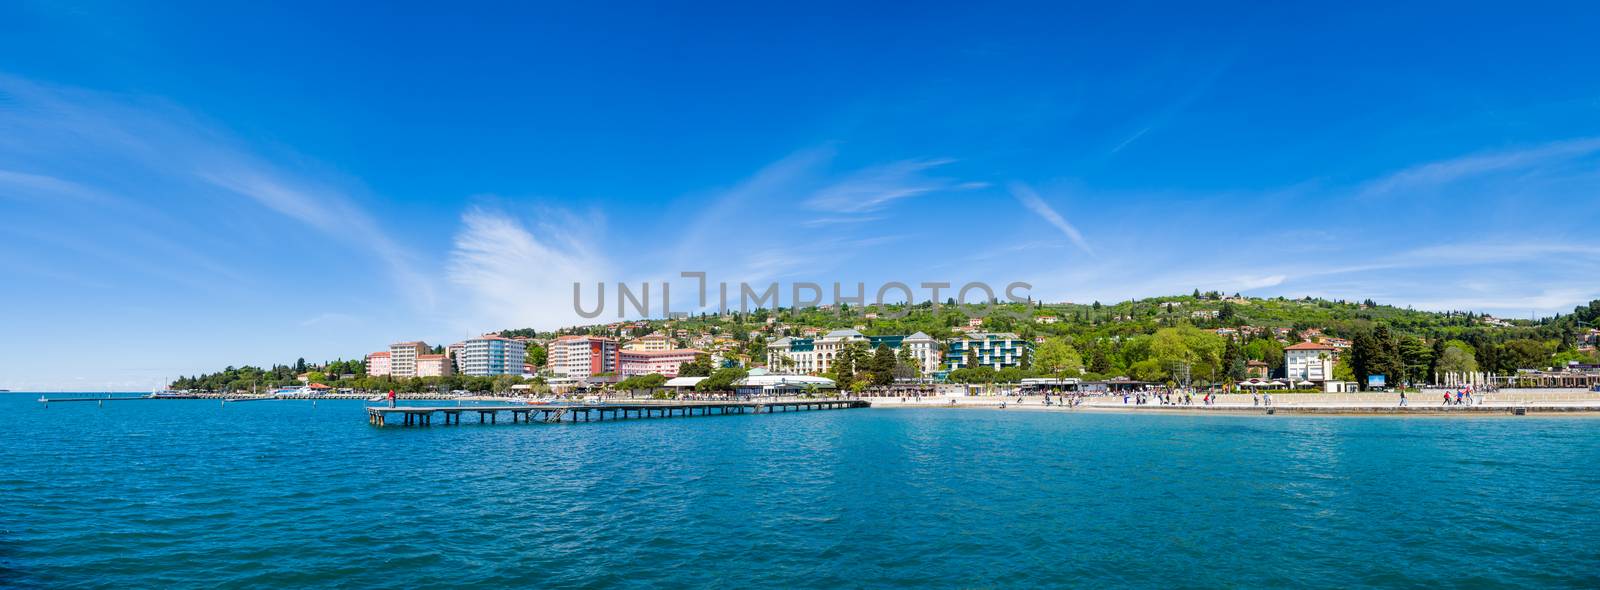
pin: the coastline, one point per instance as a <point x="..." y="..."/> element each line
<point x="1571" y="403"/>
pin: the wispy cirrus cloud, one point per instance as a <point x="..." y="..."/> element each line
<point x="1442" y="172"/>
<point x="137" y="156"/>
<point x="519" y="273"/>
<point x="876" y="187"/>
<point x="1031" y="200"/>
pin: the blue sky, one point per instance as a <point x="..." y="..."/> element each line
<point x="195" y="185"/>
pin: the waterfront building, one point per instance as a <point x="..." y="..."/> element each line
<point x="378" y="364"/>
<point x="490" y="355"/>
<point x="403" y="358"/>
<point x="434" y="365"/>
<point x="793" y="355"/>
<point x="1309" y="361"/>
<point x="582" y="357"/>
<point x="996" y="350"/>
<point x="924" y="350"/>
<point x="661" y="362"/>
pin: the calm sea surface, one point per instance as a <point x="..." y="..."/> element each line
<point x="173" y="494"/>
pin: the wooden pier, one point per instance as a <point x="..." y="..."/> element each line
<point x="521" y="414"/>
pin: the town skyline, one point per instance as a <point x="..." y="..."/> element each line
<point x="184" y="192"/>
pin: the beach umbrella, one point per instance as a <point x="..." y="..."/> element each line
<point x="1305" y="383"/>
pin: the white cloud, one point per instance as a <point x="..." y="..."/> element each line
<point x="138" y="154"/>
<point x="514" y="275"/>
<point x="1442" y="172"/>
<point x="1031" y="200"/>
<point x="874" y="188"/>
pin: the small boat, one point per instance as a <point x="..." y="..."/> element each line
<point x="292" y="392"/>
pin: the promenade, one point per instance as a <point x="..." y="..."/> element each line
<point x="1508" y="402"/>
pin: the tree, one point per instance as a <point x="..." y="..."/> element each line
<point x="1058" y="359"/>
<point x="1342" y="370"/>
<point x="1433" y="364"/>
<point x="722" y="379"/>
<point x="537" y="356"/>
<point x="882" y="366"/>
<point x="637" y="382"/>
<point x="1370" y="355"/>
<point x="1457" y="357"/>
<point x="1188" y="348"/>
<point x="1100" y="358"/>
<point x="1266" y="350"/>
<point x="1524" y="354"/>
<point x="1233" y="363"/>
<point x="699" y="367"/>
<point x="1416" y="357"/>
<point x="1378" y="353"/>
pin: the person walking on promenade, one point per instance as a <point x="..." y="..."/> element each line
<point x="1255" y="398"/>
<point x="1447" y="398"/>
<point x="1402" y="398"/>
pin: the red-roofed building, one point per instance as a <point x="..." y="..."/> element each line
<point x="1309" y="361"/>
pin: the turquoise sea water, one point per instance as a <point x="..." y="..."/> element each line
<point x="173" y="494"/>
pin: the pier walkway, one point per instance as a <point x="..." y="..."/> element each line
<point x="597" y="412"/>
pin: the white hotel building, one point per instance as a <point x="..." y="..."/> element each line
<point x="816" y="355"/>
<point x="1309" y="361"/>
<point x="491" y="355"/>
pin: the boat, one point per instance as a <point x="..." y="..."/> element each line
<point x="301" y="391"/>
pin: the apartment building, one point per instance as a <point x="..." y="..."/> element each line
<point x="490" y="355"/>
<point x="434" y="365"/>
<point x="582" y="357"/>
<point x="403" y="358"/>
<point x="996" y="350"/>
<point x="378" y="364"/>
